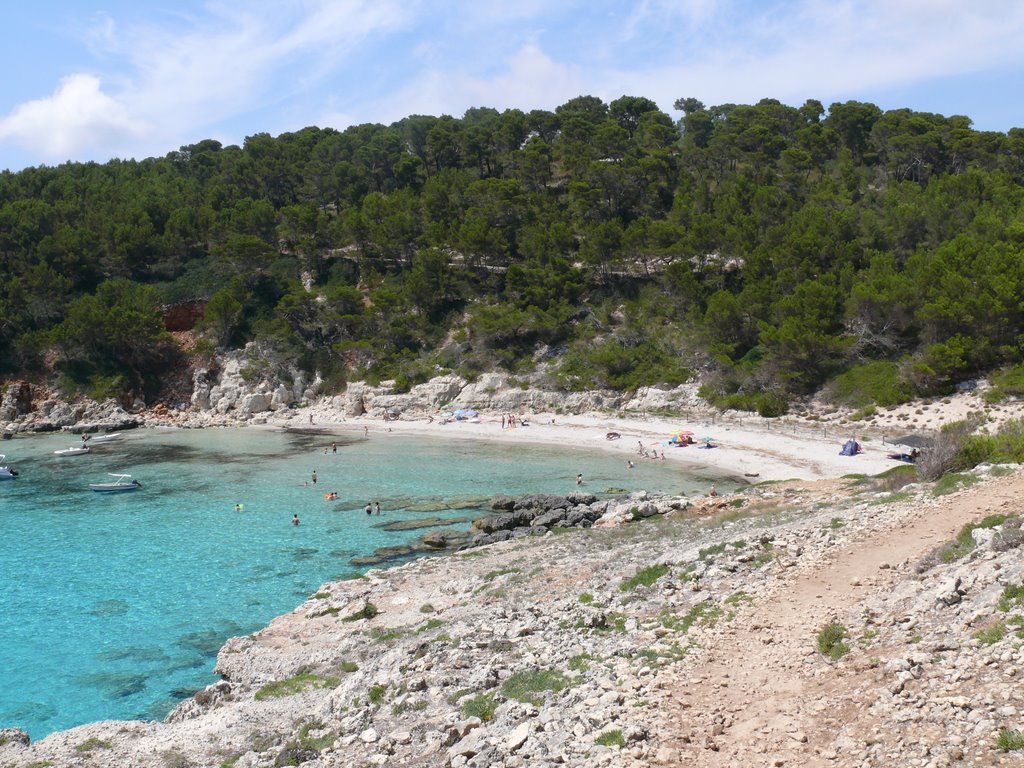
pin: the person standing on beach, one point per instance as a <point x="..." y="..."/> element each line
<point x="314" y="477"/>
<point x="334" y="447"/>
<point x="712" y="492"/>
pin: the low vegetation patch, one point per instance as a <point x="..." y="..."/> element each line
<point x="706" y="614"/>
<point x="963" y="545"/>
<point x="368" y="611"/>
<point x="294" y="685"/>
<point x="1010" y="741"/>
<point x="831" y="641"/>
<point x="864" y="386"/>
<point x="613" y="738"/>
<point x="482" y="706"/>
<point x="991" y="635"/>
<point x="93" y="743"/>
<point x="1012" y="597"/>
<point x="644" y="578"/>
<point x="530" y="685"/>
<point x="318" y="743"/>
<point x="491" y="575"/>
<point x="952" y="482"/>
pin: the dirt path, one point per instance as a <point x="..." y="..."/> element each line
<point x="762" y="695"/>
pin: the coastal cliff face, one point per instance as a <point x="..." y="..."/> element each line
<point x="250" y="387"/>
<point x="694" y="638"/>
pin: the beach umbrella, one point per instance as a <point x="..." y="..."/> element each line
<point x="709" y="440"/>
<point x="681" y="432"/>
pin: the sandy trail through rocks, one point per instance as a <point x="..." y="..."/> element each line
<point x="761" y="695"/>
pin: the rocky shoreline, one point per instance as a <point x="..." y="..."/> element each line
<point x="637" y="645"/>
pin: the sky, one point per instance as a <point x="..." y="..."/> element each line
<point x="101" y="79"/>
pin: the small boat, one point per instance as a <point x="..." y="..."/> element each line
<point x="72" y="451"/>
<point x="112" y="437"/>
<point x="121" y="484"/>
<point x="6" y="472"/>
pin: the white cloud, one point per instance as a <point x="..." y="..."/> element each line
<point x="78" y="117"/>
<point x="825" y="48"/>
<point x="180" y="75"/>
<point x="529" y="79"/>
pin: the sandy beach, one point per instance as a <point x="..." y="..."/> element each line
<point x="754" y="452"/>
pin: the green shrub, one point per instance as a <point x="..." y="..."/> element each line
<point x="612" y="738"/>
<point x="527" y="685"/>
<point x="1006" y="383"/>
<point x="765" y="404"/>
<point x="376" y="694"/>
<point x="368" y="611"/>
<point x="586" y="598"/>
<point x="644" y="577"/>
<point x="831" y="639"/>
<point x="1005" y="446"/>
<point x="482" y="706"/>
<point x="868" y="384"/>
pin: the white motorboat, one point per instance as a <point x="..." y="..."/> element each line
<point x="6" y="472"/>
<point x="113" y="437"/>
<point x="121" y="484"/>
<point x="72" y="451"/>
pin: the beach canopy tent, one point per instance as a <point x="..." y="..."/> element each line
<point x="464" y="413"/>
<point x="850" y="448"/>
<point x="913" y="441"/>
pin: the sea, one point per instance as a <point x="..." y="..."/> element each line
<point x="113" y="606"/>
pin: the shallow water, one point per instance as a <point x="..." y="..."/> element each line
<point x="114" y="605"/>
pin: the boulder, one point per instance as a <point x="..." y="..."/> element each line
<point x="949" y="592"/>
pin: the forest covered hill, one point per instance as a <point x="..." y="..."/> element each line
<point x="769" y="251"/>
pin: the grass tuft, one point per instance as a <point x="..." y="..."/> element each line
<point x="527" y="686"/>
<point x="644" y="577"/>
<point x="612" y="738"/>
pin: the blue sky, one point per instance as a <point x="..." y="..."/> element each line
<point x="98" y="79"/>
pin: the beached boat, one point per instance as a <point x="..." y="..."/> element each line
<point x="121" y="484"/>
<point x="72" y="451"/>
<point x="6" y="472"/>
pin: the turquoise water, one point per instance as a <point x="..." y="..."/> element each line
<point x="114" y="606"/>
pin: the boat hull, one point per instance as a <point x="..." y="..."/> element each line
<point x="114" y="487"/>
